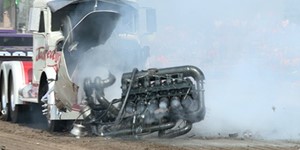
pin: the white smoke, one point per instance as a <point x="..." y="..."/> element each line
<point x="117" y="55"/>
<point x="250" y="55"/>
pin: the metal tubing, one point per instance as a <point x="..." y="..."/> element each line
<point x="109" y="81"/>
<point x="192" y="71"/>
<point x="104" y="102"/>
<point x="175" y="133"/>
<point x="133" y="75"/>
<point x="145" y="130"/>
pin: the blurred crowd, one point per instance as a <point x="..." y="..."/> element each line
<point x="249" y="52"/>
<point x="218" y="45"/>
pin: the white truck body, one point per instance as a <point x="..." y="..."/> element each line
<point x="45" y="62"/>
<point x="70" y="38"/>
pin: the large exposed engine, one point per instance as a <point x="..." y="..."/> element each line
<point x="166" y="100"/>
<point x="152" y="100"/>
<point x="78" y="38"/>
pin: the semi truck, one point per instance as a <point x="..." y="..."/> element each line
<point x="50" y="71"/>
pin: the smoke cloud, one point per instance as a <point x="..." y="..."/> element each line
<point x="249" y="52"/>
<point x="113" y="49"/>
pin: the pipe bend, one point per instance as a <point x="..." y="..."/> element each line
<point x="195" y="72"/>
<point x="174" y="133"/>
<point x="109" y="81"/>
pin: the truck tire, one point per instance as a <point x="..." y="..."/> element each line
<point x="17" y="112"/>
<point x="4" y="106"/>
<point x="52" y="125"/>
<point x="13" y="109"/>
<point x="57" y="126"/>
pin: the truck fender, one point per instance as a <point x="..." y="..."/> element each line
<point x="50" y="73"/>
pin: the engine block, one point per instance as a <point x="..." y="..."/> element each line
<point x="152" y="100"/>
<point x="157" y="96"/>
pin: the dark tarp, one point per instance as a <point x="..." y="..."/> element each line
<point x="59" y="4"/>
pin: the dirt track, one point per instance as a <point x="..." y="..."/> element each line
<point x="16" y="137"/>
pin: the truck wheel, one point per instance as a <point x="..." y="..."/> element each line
<point x="17" y="112"/>
<point x="52" y="125"/>
<point x="4" y="107"/>
<point x="57" y="125"/>
<point x="13" y="109"/>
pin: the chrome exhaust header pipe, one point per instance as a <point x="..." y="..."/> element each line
<point x="138" y="131"/>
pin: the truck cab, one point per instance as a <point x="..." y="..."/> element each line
<point x="51" y="23"/>
<point x="45" y="50"/>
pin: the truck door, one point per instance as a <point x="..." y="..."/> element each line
<point x="37" y="21"/>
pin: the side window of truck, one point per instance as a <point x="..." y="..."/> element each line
<point x="42" y="23"/>
<point x="56" y="21"/>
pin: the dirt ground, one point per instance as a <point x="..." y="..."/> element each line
<point x="19" y="137"/>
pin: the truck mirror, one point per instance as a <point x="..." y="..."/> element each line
<point x="151" y="20"/>
<point x="34" y="19"/>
